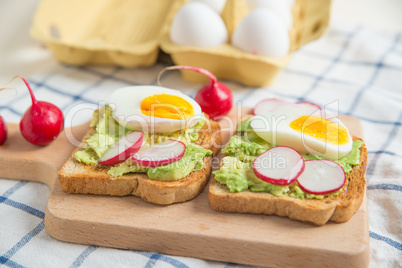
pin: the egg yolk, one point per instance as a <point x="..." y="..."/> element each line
<point x="167" y="106"/>
<point x="321" y="129"/>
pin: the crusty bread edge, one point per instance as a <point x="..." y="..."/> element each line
<point x="95" y="180"/>
<point x="336" y="209"/>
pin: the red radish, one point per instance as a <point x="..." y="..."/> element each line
<point x="279" y="165"/>
<point x="42" y="122"/>
<point x="310" y="103"/>
<point x="267" y="105"/>
<point x="321" y="177"/>
<point x="122" y="149"/>
<point x="160" y="154"/>
<point x="3" y="131"/>
<point x="214" y="97"/>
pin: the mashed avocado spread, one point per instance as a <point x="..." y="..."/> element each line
<point x="108" y="131"/>
<point x="237" y="173"/>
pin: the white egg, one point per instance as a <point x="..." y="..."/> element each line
<point x="304" y="128"/>
<point x="280" y="7"/>
<point x="216" y="5"/>
<point x="262" y="32"/>
<point x="196" y="24"/>
<point x="126" y="105"/>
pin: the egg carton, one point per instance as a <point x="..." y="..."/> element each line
<point x="106" y="32"/>
<point x="129" y="33"/>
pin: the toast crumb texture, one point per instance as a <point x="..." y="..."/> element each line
<point x="337" y="209"/>
<point x="80" y="178"/>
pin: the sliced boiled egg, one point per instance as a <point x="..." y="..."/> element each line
<point x="154" y="109"/>
<point x="304" y="128"/>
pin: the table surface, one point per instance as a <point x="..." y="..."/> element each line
<point x="356" y="69"/>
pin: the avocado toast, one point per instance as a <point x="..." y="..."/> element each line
<point x="236" y="188"/>
<point x="179" y="181"/>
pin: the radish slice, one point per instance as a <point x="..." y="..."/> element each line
<point x="161" y="154"/>
<point x="267" y="105"/>
<point x="310" y="103"/>
<point x="279" y="165"/>
<point x="121" y="150"/>
<point x="321" y="177"/>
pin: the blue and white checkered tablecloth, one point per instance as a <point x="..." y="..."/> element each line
<point x="359" y="69"/>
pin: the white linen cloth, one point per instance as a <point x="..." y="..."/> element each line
<point x="359" y="70"/>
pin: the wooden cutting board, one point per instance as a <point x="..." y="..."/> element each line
<point x="189" y="229"/>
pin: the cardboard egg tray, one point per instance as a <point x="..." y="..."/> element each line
<point x="130" y="32"/>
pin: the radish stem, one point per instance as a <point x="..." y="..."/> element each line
<point x="29" y="89"/>
<point x="26" y="83"/>
<point x="9" y="82"/>
<point x="189" y="68"/>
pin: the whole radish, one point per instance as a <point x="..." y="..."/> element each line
<point x="42" y="122"/>
<point x="3" y="131"/>
<point x="214" y="97"/>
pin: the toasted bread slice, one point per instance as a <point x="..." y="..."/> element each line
<point x="79" y="178"/>
<point x="337" y="209"/>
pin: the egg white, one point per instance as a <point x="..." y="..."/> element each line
<point x="126" y="105"/>
<point x="274" y="127"/>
